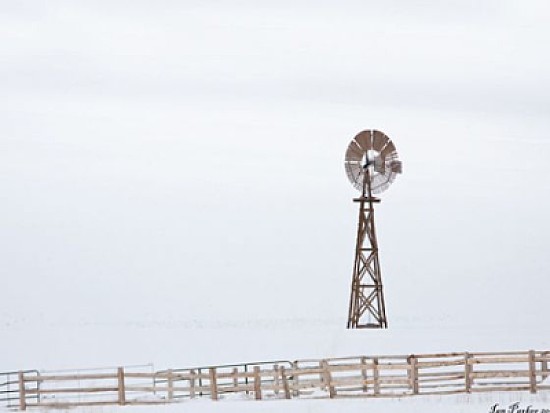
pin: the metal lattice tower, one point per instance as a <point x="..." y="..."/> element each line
<point x="371" y="165"/>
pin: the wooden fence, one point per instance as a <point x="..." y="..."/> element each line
<point x="366" y="376"/>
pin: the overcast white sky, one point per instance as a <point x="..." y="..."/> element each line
<point x="184" y="159"/>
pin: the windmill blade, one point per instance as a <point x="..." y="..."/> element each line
<point x="364" y="140"/>
<point x="349" y="171"/>
<point x="354" y="152"/>
<point x="354" y="172"/>
<point x="381" y="182"/>
<point x="354" y="168"/>
<point x="388" y="150"/>
<point x="379" y="165"/>
<point x="379" y="140"/>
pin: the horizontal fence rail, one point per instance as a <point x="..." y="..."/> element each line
<point x="364" y="376"/>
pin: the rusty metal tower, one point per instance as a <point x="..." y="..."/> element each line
<point x="371" y="165"/>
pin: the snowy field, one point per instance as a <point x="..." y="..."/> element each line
<point x="463" y="404"/>
<point x="176" y="344"/>
<point x="52" y="345"/>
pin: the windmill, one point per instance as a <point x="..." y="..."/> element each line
<point x="371" y="165"/>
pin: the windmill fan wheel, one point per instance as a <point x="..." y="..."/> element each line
<point x="372" y="155"/>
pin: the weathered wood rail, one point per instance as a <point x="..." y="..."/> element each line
<point x="365" y="376"/>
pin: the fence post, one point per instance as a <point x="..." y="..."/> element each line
<point x="322" y="384"/>
<point x="296" y="379"/>
<point x="22" y="393"/>
<point x="276" y="378"/>
<point x="285" y="383"/>
<point x="544" y="364"/>
<point x="121" y="387"/>
<point x="532" y="372"/>
<point x="328" y="379"/>
<point x="257" y="383"/>
<point x="413" y="373"/>
<point x="192" y="384"/>
<point x="213" y="384"/>
<point x="170" y="386"/>
<point x="364" y="373"/>
<point x="235" y="373"/>
<point x="200" y="382"/>
<point x="467" y="373"/>
<point x="375" y="376"/>
<point x="246" y="379"/>
<point x="38" y="383"/>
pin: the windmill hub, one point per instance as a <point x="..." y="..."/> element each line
<point x="369" y="158"/>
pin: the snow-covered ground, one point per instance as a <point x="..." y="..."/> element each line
<point x="450" y="404"/>
<point x="173" y="343"/>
